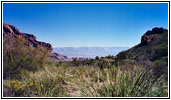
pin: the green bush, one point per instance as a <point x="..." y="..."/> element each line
<point x="159" y="51"/>
<point x="17" y="56"/>
<point x="160" y="66"/>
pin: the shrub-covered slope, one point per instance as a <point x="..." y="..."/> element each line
<point x="153" y="50"/>
<point x="22" y="52"/>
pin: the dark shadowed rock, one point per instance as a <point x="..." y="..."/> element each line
<point x="155" y="30"/>
<point x="149" y="35"/>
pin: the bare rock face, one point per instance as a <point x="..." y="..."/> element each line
<point x="13" y="31"/>
<point x="10" y="30"/>
<point x="149" y="35"/>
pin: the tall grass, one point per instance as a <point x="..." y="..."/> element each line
<point x="89" y="81"/>
<point x="115" y="82"/>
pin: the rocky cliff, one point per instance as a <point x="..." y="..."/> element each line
<point x="11" y="31"/>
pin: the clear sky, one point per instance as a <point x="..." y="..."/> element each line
<point x="87" y="24"/>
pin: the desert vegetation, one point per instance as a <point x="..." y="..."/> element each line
<point x="99" y="77"/>
<point x="19" y="58"/>
<point x="87" y="81"/>
<point x="29" y="71"/>
<point x="70" y="49"/>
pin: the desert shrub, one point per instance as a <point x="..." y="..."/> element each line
<point x="91" y="62"/>
<point x="47" y="87"/>
<point x="104" y="64"/>
<point x="97" y="58"/>
<point x="160" y="66"/>
<point x="44" y="85"/>
<point x="78" y="61"/>
<point x="15" y="87"/>
<point x="17" y="56"/>
<point x="110" y="57"/>
<point x="122" y="55"/>
<point x="64" y="64"/>
<point x="159" y="51"/>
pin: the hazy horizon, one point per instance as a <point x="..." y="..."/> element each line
<point x="88" y="52"/>
<point x="86" y="24"/>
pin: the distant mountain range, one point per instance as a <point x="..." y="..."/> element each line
<point x="89" y="52"/>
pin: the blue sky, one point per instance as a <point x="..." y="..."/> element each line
<point x="87" y="24"/>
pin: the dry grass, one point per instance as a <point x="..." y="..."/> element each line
<point x="83" y="81"/>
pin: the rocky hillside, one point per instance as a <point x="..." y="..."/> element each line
<point x="11" y="31"/>
<point x="154" y="41"/>
<point x="151" y="35"/>
<point x="152" y="51"/>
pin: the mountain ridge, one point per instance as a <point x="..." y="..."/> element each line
<point x="12" y="31"/>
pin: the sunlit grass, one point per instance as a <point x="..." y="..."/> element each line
<point x="89" y="81"/>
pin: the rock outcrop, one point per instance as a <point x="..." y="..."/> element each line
<point x="13" y="31"/>
<point x="151" y="52"/>
<point x="149" y="35"/>
<point x="155" y="38"/>
<point x="10" y="30"/>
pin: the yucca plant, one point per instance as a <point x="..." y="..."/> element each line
<point x="124" y="83"/>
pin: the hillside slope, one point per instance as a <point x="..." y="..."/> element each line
<point x="153" y="50"/>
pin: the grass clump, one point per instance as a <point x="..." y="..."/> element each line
<point x="122" y="83"/>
